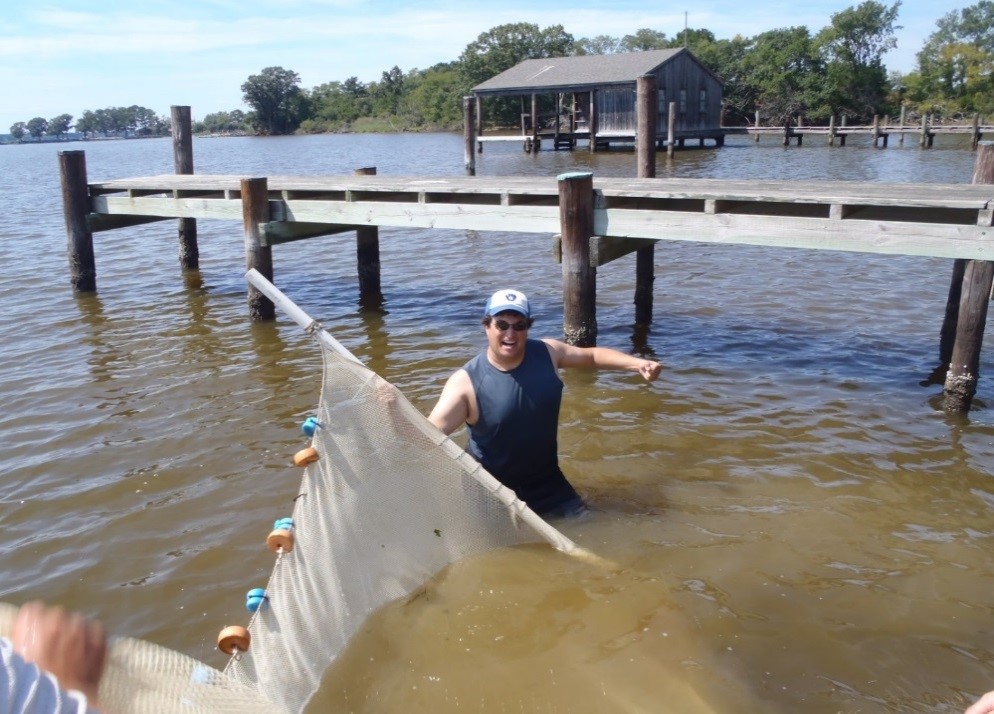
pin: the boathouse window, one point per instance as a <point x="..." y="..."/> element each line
<point x="683" y="101"/>
<point x="703" y="109"/>
<point x="661" y="103"/>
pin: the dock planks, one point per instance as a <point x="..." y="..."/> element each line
<point x="939" y="220"/>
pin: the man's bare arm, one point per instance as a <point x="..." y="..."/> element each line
<point x="570" y="356"/>
<point x="453" y="407"/>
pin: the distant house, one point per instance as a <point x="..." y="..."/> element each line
<point x="595" y="96"/>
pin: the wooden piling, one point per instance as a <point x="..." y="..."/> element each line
<point x="757" y="126"/>
<point x="255" y="212"/>
<point x="924" y="131"/>
<point x="978" y="277"/>
<point x="900" y="139"/>
<point x="182" y="129"/>
<point x="876" y="129"/>
<point x="647" y="121"/>
<point x="592" y="121"/>
<point x="576" y="225"/>
<point x="671" y="129"/>
<point x="975" y="141"/>
<point x="479" y="119"/>
<point x="469" y="135"/>
<point x="75" y="207"/>
<point x="367" y="243"/>
<point x="534" y="114"/>
<point x="831" y="130"/>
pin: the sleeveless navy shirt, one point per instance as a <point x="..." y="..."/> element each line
<point x="515" y="436"/>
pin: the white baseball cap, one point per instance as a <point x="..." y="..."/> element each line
<point x="504" y="300"/>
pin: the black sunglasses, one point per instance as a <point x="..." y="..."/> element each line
<point x="502" y="325"/>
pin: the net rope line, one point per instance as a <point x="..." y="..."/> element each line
<point x="390" y="502"/>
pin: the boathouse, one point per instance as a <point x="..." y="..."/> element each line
<point x="595" y="98"/>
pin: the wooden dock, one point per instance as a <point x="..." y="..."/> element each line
<point x="939" y="220"/>
<point x="589" y="221"/>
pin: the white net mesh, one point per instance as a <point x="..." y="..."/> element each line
<point x="389" y="503"/>
<point x="143" y="678"/>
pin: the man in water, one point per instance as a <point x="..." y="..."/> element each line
<point x="509" y="396"/>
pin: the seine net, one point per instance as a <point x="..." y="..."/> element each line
<point x="389" y="502"/>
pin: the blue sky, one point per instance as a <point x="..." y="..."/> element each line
<point x="67" y="57"/>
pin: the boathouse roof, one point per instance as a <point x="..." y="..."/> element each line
<point x="577" y="73"/>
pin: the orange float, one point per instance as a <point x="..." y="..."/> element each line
<point x="280" y="540"/>
<point x="305" y="456"/>
<point x="234" y="639"/>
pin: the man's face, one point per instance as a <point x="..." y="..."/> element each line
<point x="506" y="335"/>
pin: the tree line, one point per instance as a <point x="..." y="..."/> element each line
<point x="110" y="122"/>
<point x="782" y="73"/>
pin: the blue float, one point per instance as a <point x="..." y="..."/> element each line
<point x="254" y="599"/>
<point x="285" y="524"/>
<point x="309" y="426"/>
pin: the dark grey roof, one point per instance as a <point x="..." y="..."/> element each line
<point x="581" y="71"/>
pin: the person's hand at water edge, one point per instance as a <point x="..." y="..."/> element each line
<point x="984" y="705"/>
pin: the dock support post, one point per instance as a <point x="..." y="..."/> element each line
<point x="479" y="120"/>
<point x="469" y="135"/>
<point x="900" y="139"/>
<point x="647" y="121"/>
<point x="534" y="114"/>
<point x="367" y="245"/>
<point x="182" y="128"/>
<point x="831" y="130"/>
<point x="876" y="130"/>
<point x="592" y="121"/>
<point x="75" y="207"/>
<point x="924" y="132"/>
<point x="255" y="212"/>
<point x="976" y="132"/>
<point x="576" y="226"/>
<point x="671" y="129"/>
<point x="978" y="276"/>
<point x="757" y="126"/>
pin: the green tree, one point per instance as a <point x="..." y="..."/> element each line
<point x="277" y="101"/>
<point x="643" y="39"/>
<point x="224" y="122"/>
<point x="59" y="126"/>
<point x="386" y="94"/>
<point x="18" y="130"/>
<point x="781" y="73"/>
<point x="37" y="127"/>
<point x="954" y="64"/>
<point x="598" y="45"/>
<point x="336" y="104"/>
<point x="436" y="98"/>
<point x="853" y="47"/>
<point x="87" y="124"/>
<point x="504" y="46"/>
<point x="726" y="59"/>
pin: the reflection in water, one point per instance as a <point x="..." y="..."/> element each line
<point x="103" y="354"/>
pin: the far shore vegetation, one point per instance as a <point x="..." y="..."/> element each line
<point x="785" y="73"/>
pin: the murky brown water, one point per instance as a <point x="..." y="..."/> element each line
<point x="795" y="525"/>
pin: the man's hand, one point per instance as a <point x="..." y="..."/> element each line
<point x="984" y="705"/>
<point x="650" y="370"/>
<point x="66" y="645"/>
